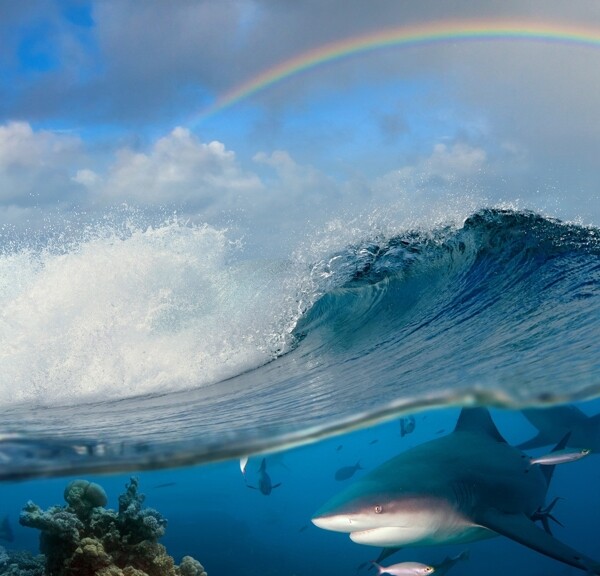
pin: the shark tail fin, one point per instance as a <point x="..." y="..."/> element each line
<point x="549" y="470"/>
<point x="593" y="423"/>
<point x="535" y="442"/>
<point x="386" y="553"/>
<point x="478" y="420"/>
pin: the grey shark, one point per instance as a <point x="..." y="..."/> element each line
<point x="466" y="486"/>
<point x="554" y="423"/>
<point x="264" y="480"/>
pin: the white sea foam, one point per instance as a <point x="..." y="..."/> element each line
<point x="151" y="310"/>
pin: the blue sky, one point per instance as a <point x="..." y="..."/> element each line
<point x="99" y="106"/>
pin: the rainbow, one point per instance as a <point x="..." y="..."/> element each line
<point x="405" y="36"/>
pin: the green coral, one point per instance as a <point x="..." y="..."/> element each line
<point x="85" y="539"/>
<point x="83" y="496"/>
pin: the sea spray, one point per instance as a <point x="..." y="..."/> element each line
<point x="124" y="313"/>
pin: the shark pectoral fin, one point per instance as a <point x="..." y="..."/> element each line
<point x="521" y="529"/>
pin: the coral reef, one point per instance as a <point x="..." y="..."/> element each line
<point x="18" y="563"/>
<point x="86" y="539"/>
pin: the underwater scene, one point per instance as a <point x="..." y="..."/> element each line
<point x="259" y="521"/>
<point x="299" y="288"/>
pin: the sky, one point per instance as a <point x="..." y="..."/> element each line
<point x="113" y="103"/>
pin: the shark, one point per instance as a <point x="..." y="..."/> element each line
<point x="553" y="423"/>
<point x="6" y="532"/>
<point x="463" y="487"/>
<point x="264" y="480"/>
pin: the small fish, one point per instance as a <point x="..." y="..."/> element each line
<point x="374" y="441"/>
<point x="440" y="431"/>
<point x="339" y="447"/>
<point x="346" y="472"/>
<point x="561" y="456"/>
<point x="264" y="480"/>
<point x="405" y="569"/>
<point x="243" y="464"/>
<point x="303" y="528"/>
<point x="6" y="532"/>
<point x="407" y="425"/>
<point x="165" y="485"/>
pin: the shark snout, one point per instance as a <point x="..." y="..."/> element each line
<point x="334" y="522"/>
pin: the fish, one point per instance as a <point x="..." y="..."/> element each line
<point x="243" y="464"/>
<point x="374" y="441"/>
<point x="560" y="456"/>
<point x="404" y="569"/>
<point x="407" y="425"/>
<point x="6" y="532"/>
<point x="466" y="486"/>
<point x="553" y="423"/>
<point x="346" y="472"/>
<point x="439" y="569"/>
<point x="164" y="485"/>
<point x="265" y="486"/>
<point x="444" y="566"/>
<point x="339" y="447"/>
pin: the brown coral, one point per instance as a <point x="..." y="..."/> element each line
<point x="84" y="539"/>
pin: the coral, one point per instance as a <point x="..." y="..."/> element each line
<point x="83" y="496"/>
<point x="18" y="563"/>
<point x="191" y="567"/>
<point x="85" y="539"/>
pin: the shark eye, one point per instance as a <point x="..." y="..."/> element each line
<point x="378" y="509"/>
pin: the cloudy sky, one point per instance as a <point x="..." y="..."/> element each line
<point x="104" y="103"/>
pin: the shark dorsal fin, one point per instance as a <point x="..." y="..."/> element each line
<point x="478" y="420"/>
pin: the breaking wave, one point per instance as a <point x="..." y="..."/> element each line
<point x="163" y="346"/>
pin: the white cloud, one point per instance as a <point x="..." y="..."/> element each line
<point x="296" y="180"/>
<point x="177" y="170"/>
<point x="35" y="166"/>
<point x="447" y="184"/>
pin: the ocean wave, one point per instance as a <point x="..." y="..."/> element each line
<point x="119" y="313"/>
<point x="502" y="309"/>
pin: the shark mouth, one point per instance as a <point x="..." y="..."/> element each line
<point x="389" y="535"/>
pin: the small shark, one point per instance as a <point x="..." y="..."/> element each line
<point x="346" y="472"/>
<point x="465" y="486"/>
<point x="407" y="425"/>
<point x="264" y="480"/>
<point x="6" y="532"/>
<point x="553" y="423"/>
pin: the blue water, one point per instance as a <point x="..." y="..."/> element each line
<point x="185" y="351"/>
